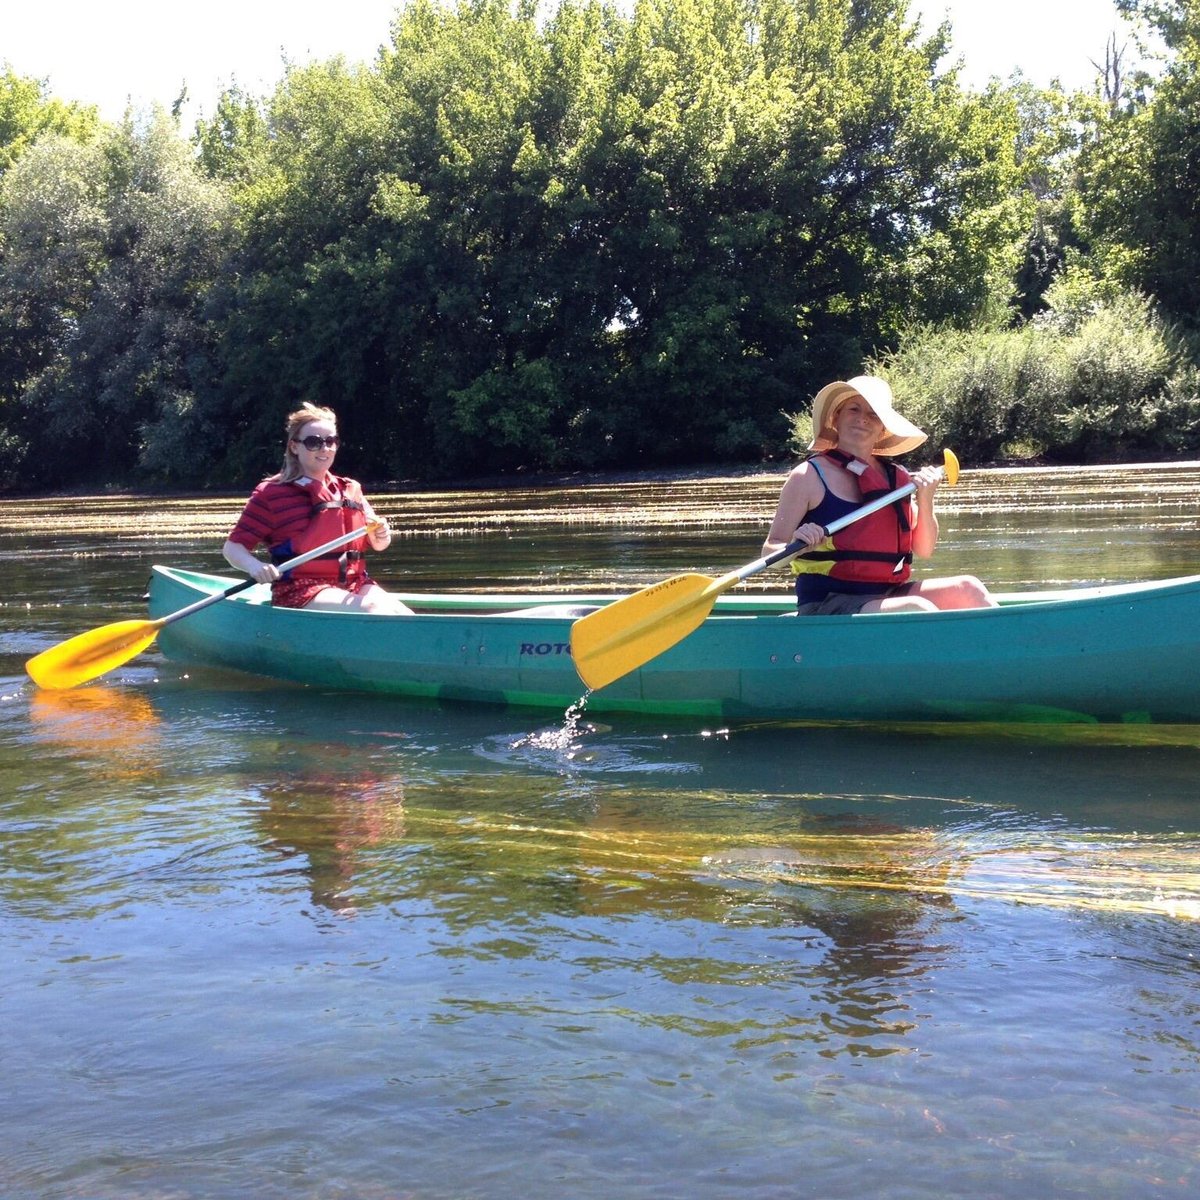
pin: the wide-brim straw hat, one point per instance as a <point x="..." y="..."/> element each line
<point x="899" y="434"/>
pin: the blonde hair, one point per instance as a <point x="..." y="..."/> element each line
<point x="296" y="421"/>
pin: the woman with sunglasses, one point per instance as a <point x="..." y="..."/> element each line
<point x="304" y="506"/>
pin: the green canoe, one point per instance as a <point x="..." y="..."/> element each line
<point x="1129" y="652"/>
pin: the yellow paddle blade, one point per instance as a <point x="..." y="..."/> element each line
<point x="620" y="637"/>
<point x="89" y="654"/>
<point x="951" y="466"/>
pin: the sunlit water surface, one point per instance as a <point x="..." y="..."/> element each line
<point x="262" y="941"/>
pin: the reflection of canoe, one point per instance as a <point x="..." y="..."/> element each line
<point x="1128" y="652"/>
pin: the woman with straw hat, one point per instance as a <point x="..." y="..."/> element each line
<point x="865" y="567"/>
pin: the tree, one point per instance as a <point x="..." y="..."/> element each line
<point x="789" y="184"/>
<point x="593" y="237"/>
<point x="109" y="250"/>
<point x="26" y="112"/>
<point x="232" y="143"/>
<point x="290" y="314"/>
<point x="1140" y="172"/>
<point x="52" y="230"/>
<point x="1051" y="125"/>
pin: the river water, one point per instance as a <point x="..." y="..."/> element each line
<point x="264" y="941"/>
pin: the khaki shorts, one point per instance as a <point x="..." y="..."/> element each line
<point x="842" y="604"/>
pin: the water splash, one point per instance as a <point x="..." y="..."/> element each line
<point x="564" y="740"/>
<point x="571" y="746"/>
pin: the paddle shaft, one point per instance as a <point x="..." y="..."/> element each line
<point x="797" y="547"/>
<point x="298" y="561"/>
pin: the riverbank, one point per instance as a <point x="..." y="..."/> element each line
<point x="570" y="479"/>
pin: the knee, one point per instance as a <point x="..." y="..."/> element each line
<point x="919" y="604"/>
<point x="374" y="599"/>
<point x="964" y="591"/>
<point x="389" y="606"/>
<point x="974" y="593"/>
<point x="911" y="603"/>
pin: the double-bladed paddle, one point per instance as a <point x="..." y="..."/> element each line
<point x="87" y="655"/>
<point x="619" y="638"/>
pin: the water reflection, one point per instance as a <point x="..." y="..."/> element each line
<point x="645" y="817"/>
<point x="332" y="822"/>
<point x="896" y="961"/>
<point x="116" y="728"/>
<point x="401" y="811"/>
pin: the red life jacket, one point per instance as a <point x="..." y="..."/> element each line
<point x="337" y="508"/>
<point x="874" y="549"/>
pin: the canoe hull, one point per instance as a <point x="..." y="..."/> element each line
<point x="1126" y="653"/>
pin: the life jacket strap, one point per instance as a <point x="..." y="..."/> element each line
<point x="343" y="558"/>
<point x="857" y="467"/>
<point x="858" y="556"/>
<point x="325" y="505"/>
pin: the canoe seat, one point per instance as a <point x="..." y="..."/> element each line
<point x="572" y="611"/>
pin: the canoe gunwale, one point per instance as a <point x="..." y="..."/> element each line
<point x="428" y="604"/>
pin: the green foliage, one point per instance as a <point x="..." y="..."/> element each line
<point x="597" y="235"/>
<point x="1051" y="129"/>
<point x="1099" y="377"/>
<point x="49" y="239"/>
<point x="26" y="113"/>
<point x="108" y="249"/>
<point x="232" y="144"/>
<point x="602" y="238"/>
<point x="1139" y="173"/>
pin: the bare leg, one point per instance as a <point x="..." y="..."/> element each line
<point x="899" y="604"/>
<point x="954" y="591"/>
<point x="930" y="595"/>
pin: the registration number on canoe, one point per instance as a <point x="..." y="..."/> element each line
<point x="542" y="649"/>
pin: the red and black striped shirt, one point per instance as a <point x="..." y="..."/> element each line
<point x="278" y="511"/>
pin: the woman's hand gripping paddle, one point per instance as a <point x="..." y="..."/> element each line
<point x="98" y="651"/>
<point x="624" y="635"/>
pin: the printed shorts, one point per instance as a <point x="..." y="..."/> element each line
<point x="299" y="593"/>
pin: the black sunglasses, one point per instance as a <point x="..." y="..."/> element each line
<point x="315" y="443"/>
